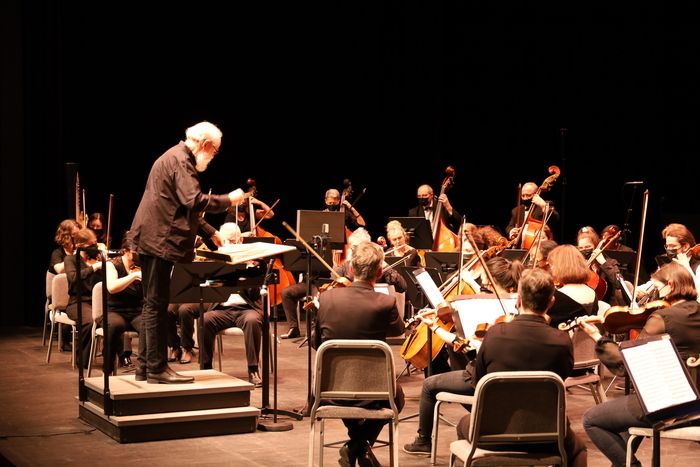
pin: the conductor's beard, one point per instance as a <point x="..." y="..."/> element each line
<point x="203" y="161"/>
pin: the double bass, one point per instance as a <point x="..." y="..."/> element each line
<point x="443" y="238"/>
<point x="532" y="229"/>
<point x="340" y="255"/>
<point x="286" y="278"/>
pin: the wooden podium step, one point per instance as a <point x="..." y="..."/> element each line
<point x="214" y="404"/>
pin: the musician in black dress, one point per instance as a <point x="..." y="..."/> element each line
<point x="607" y="423"/>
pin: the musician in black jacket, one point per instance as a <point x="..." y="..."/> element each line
<point x="428" y="204"/>
<point x="530" y="200"/>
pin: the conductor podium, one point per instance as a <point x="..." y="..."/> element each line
<point x="216" y="403"/>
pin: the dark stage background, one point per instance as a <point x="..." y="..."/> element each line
<point x="310" y="94"/>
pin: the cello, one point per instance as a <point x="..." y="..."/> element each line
<point x="532" y="228"/>
<point x="443" y="238"/>
<point x="286" y="278"/>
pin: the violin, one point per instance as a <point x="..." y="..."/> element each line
<point x="621" y="319"/>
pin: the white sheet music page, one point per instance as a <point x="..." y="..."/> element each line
<point x="658" y="375"/>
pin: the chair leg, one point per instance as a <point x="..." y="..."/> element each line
<point x="48" y="352"/>
<point x="93" y="351"/>
<point x="322" y="426"/>
<point x="628" y="455"/>
<point x="73" y="332"/>
<point x="434" y="435"/>
<point x="46" y="318"/>
<point x="219" y="350"/>
<point x="311" y="444"/>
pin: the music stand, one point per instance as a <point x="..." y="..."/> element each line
<point x="414" y="292"/>
<point x="292" y="261"/>
<point x="329" y="225"/>
<point x="258" y="239"/>
<point x="626" y="262"/>
<point x="420" y="235"/>
<point x="514" y="254"/>
<point x="444" y="262"/>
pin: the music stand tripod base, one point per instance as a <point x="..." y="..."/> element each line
<point x="265" y="425"/>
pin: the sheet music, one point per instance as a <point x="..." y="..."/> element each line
<point x="240" y="253"/>
<point x="658" y="375"/>
<point x="430" y="290"/>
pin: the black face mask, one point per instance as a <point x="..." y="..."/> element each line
<point x="92" y="252"/>
<point x="332" y="207"/>
<point x="586" y="253"/>
<point x="98" y="232"/>
<point x="527" y="203"/>
<point x="423" y="202"/>
<point x="672" y="252"/>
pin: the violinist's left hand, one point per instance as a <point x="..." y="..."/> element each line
<point x="344" y="281"/>
<point x="590" y="329"/>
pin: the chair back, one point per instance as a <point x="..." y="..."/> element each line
<point x="59" y="292"/>
<point x="584" y="349"/>
<point x="49" y="280"/>
<point x="354" y="369"/>
<point x="97" y="301"/>
<point x="515" y="408"/>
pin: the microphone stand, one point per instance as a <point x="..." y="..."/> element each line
<point x="274" y="425"/>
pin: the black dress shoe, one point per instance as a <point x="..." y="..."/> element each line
<point x="346" y="457"/>
<point x="168" y="376"/>
<point x="175" y="355"/>
<point x="291" y="334"/>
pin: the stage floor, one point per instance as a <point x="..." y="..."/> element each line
<point x="39" y="424"/>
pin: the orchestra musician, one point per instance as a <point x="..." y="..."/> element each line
<point x="529" y="200"/>
<point x="163" y="232"/>
<point x="427" y="204"/>
<point x="240" y="214"/>
<point x="358" y="312"/>
<point x="609" y="232"/>
<point x="573" y="295"/>
<point x="506" y="274"/>
<point x="608" y="269"/>
<point x="606" y="424"/>
<point x="80" y="284"/>
<point x="64" y="239"/>
<point x="398" y="239"/>
<point x="292" y="294"/>
<point x="353" y="219"/>
<point x="505" y="348"/>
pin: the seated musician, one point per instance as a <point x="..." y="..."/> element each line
<point x="241" y="214"/>
<point x="292" y="294"/>
<point x="606" y="424"/>
<point x="506" y="275"/>
<point x="609" y="232"/>
<point x="427" y="204"/>
<point x="504" y="349"/>
<point x="573" y="296"/>
<point x="353" y="219"/>
<point x="607" y="269"/>
<point x="529" y="201"/>
<point x="358" y="312"/>
<point x="242" y="310"/>
<point x="64" y="239"/>
<point x="398" y="239"/>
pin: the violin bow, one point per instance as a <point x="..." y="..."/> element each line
<point x="311" y="250"/>
<point x="488" y="272"/>
<point x="645" y="205"/>
<point x="364" y="190"/>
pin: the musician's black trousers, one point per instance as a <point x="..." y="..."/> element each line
<point x="153" y="336"/>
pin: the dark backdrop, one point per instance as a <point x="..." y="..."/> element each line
<point x="386" y="95"/>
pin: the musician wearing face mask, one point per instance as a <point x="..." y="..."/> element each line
<point x="428" y="203"/>
<point x="353" y="219"/>
<point x="530" y="200"/>
<point x="607" y="268"/>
